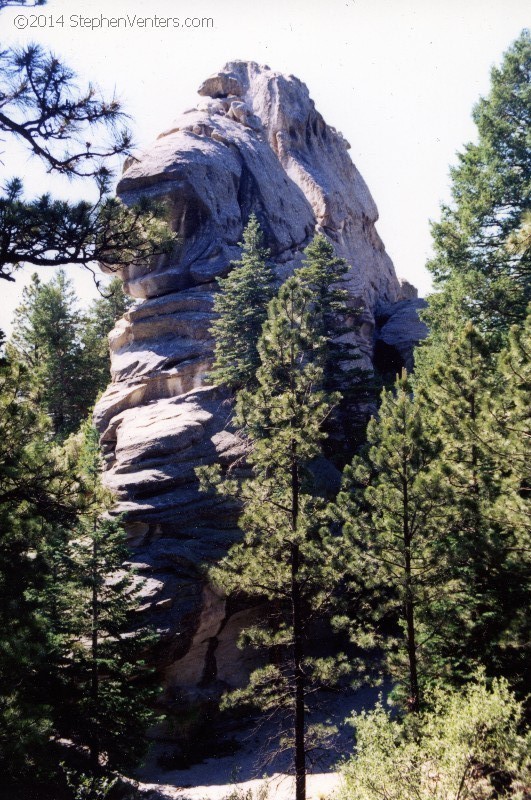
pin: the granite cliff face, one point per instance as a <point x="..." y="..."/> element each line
<point x="254" y="143"/>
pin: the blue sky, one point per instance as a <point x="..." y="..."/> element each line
<point x="399" y="78"/>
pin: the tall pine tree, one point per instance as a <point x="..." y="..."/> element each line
<point x="65" y="351"/>
<point x="287" y="555"/>
<point x="336" y="320"/>
<point x="77" y="133"/>
<point x="391" y="505"/>
<point x="487" y="581"/>
<point x="510" y="409"/>
<point x="324" y="273"/>
<point x="102" y="688"/>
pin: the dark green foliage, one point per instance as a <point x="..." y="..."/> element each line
<point x="67" y="602"/>
<point x="241" y="305"/>
<point x="336" y="321"/>
<point x="437" y="519"/>
<point x="44" y="396"/>
<point x="46" y="339"/>
<point x="48" y="232"/>
<point x="104" y="703"/>
<point x="42" y="107"/>
<point x="510" y="403"/>
<point x="34" y="491"/>
<point x="90" y="599"/>
<point x="479" y="273"/>
<point x="476" y="403"/>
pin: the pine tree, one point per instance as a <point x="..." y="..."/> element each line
<point x="477" y="275"/>
<point x="437" y="519"/>
<point x="241" y="305"/>
<point x="65" y="351"/>
<point x="336" y="321"/>
<point x="324" y="272"/>
<point x="391" y="506"/>
<point x="106" y="702"/>
<point x="481" y="269"/>
<point x="47" y="339"/>
<point x="287" y="555"/>
<point x="101" y="681"/>
<point x="71" y="654"/>
<point x="511" y="405"/>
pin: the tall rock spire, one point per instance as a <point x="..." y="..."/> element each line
<point x="254" y="143"/>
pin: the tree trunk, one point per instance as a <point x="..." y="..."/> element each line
<point x="299" y="712"/>
<point x="94" y="682"/>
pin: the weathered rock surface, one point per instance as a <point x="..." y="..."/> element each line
<point x="254" y="143"/>
<point x="399" y="330"/>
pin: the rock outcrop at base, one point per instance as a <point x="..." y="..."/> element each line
<point x="254" y="143"/>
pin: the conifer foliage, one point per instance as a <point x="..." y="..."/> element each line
<point x="324" y="273"/>
<point x="427" y="541"/>
<point x="487" y="577"/>
<point x="34" y="491"/>
<point x="47" y="340"/>
<point x="64" y="350"/>
<point x="241" y="305"/>
<point x="510" y="402"/>
<point x="97" y="322"/>
<point x="436" y="520"/>
<point x="71" y="653"/>
<point x="79" y="134"/>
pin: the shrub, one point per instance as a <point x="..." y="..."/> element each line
<point x="467" y="745"/>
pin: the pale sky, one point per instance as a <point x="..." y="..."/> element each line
<point x="398" y="78"/>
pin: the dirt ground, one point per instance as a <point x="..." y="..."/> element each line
<point x="216" y="778"/>
<point x="276" y="787"/>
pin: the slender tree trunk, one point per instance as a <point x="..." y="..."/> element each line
<point x="409" y="606"/>
<point x="95" y="678"/>
<point x="299" y="712"/>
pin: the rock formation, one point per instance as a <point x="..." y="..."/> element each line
<point x="254" y="143"/>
